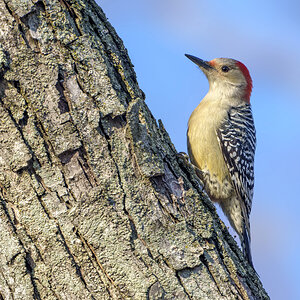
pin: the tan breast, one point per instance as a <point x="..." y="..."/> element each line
<point x="203" y="146"/>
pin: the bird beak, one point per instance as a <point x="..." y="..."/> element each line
<point x="204" y="65"/>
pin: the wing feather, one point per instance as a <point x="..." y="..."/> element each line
<point x="237" y="139"/>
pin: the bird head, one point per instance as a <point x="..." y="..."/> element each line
<point x="228" y="78"/>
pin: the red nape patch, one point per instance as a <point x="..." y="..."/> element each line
<point x="246" y="73"/>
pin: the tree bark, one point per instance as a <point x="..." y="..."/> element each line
<point x="95" y="202"/>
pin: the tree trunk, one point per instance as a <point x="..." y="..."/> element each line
<point x="95" y="202"/>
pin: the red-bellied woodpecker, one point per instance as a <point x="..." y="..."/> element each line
<point x="221" y="141"/>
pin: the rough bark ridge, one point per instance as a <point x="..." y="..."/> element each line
<point x="94" y="202"/>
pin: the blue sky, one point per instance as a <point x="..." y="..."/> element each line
<point x="265" y="36"/>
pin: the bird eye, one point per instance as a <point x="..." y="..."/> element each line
<point x="225" y="69"/>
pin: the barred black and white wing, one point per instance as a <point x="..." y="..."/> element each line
<point x="237" y="139"/>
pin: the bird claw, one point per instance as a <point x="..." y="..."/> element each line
<point x="183" y="155"/>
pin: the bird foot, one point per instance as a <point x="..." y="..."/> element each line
<point x="183" y="155"/>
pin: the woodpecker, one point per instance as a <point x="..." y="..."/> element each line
<point x="221" y="142"/>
